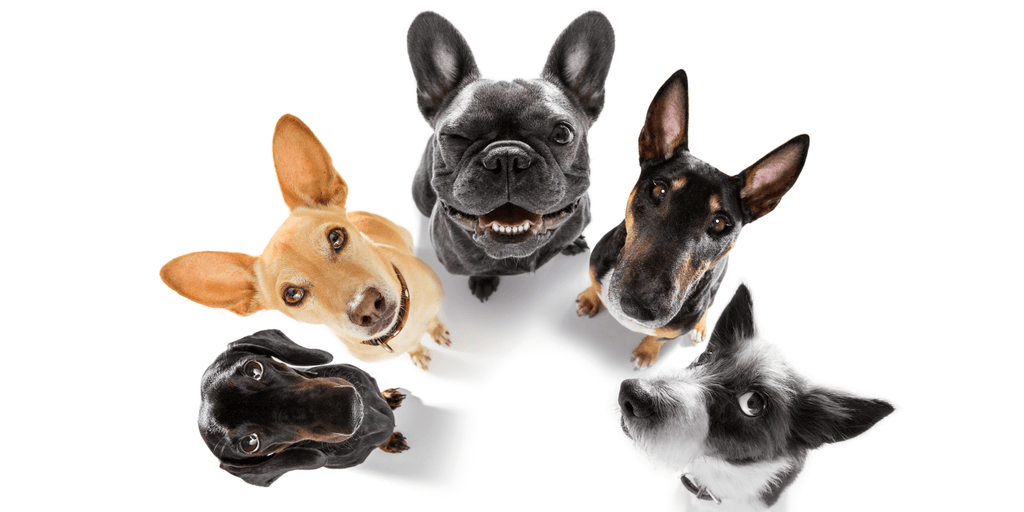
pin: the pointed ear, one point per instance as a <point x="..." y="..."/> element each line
<point x="827" y="416"/>
<point x="737" y="321"/>
<point x="273" y="342"/>
<point x="665" y="128"/>
<point x="765" y="182"/>
<point x="441" y="62"/>
<point x="304" y="169"/>
<point x="580" y="60"/>
<point x="215" y="279"/>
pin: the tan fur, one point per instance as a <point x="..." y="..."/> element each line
<point x="647" y="352"/>
<point x="300" y="255"/>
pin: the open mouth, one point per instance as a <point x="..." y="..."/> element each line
<point x="403" y="315"/>
<point x="511" y="223"/>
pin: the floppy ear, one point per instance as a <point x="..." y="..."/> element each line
<point x="268" y="472"/>
<point x="441" y="62"/>
<point x="826" y="416"/>
<point x="273" y="342"/>
<point x="765" y="182"/>
<point x="304" y="169"/>
<point x="580" y="60"/>
<point x="665" y="128"/>
<point x="215" y="279"/>
<point x="737" y="321"/>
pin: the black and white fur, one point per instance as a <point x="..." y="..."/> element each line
<point x="738" y="422"/>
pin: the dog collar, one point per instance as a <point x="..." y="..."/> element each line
<point x="403" y="314"/>
<point x="701" y="492"/>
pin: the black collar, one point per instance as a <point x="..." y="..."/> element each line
<point x="701" y="492"/>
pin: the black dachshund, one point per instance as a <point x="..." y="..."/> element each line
<point x="262" y="418"/>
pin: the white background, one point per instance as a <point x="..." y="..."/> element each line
<point x="131" y="134"/>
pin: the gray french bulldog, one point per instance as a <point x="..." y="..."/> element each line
<point x="504" y="177"/>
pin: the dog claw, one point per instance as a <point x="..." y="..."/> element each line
<point x="578" y="246"/>
<point x="393" y="397"/>
<point x="697" y="337"/>
<point x="483" y="286"/>
<point x="395" y="444"/>
<point x="646" y="354"/>
<point x="588" y="303"/>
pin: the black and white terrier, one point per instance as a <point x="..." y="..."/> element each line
<point x="738" y="422"/>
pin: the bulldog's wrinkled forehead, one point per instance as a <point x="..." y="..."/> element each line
<point x="496" y="104"/>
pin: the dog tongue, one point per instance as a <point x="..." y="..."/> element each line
<point x="510" y="215"/>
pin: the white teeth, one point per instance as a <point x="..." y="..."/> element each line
<point x="511" y="230"/>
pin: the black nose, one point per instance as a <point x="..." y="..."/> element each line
<point x="369" y="310"/>
<point x="507" y="159"/>
<point x="634" y="401"/>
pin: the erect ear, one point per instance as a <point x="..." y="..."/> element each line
<point x="216" y="279"/>
<point x="826" y="416"/>
<point x="765" y="182"/>
<point x="304" y="169"/>
<point x="665" y="128"/>
<point x="273" y="342"/>
<point x="441" y="62"/>
<point x="737" y="321"/>
<point x="266" y="473"/>
<point x="580" y="60"/>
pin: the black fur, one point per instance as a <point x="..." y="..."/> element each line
<point x="235" y="405"/>
<point x="496" y="157"/>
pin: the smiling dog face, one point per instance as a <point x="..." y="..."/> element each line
<point x="739" y="418"/>
<point x="317" y="268"/>
<point x="506" y="171"/>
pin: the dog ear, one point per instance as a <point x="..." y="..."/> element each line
<point x="268" y="472"/>
<point x="580" y="59"/>
<point x="304" y="169"/>
<point x="273" y="342"/>
<point x="665" y="128"/>
<point x="826" y="416"/>
<point x="765" y="182"/>
<point x="215" y="279"/>
<point x="441" y="62"/>
<point x="737" y="321"/>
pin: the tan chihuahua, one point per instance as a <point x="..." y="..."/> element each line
<point x="353" y="272"/>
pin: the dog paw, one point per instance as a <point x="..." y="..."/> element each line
<point x="588" y="303"/>
<point x="395" y="444"/>
<point x="420" y="357"/>
<point x="646" y="354"/>
<point x="393" y="397"/>
<point x="483" y="286"/>
<point x="439" y="333"/>
<point x="698" y="337"/>
<point x="578" y="246"/>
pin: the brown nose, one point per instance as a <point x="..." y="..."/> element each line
<point x="369" y="310"/>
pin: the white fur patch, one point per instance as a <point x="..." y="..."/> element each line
<point x="575" y="60"/>
<point x="676" y="441"/>
<point x="738" y="485"/>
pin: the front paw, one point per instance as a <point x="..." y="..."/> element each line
<point x="483" y="286"/>
<point x="439" y="333"/>
<point x="393" y="397"/>
<point x="588" y="303"/>
<point x="578" y="246"/>
<point x="420" y="357"/>
<point x="395" y="444"/>
<point x="698" y="337"/>
<point x="646" y="354"/>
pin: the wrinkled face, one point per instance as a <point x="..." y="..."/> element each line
<point x="733" y="403"/>
<point x="510" y="163"/>
<point x="318" y="268"/>
<point x="254" y="407"/>
<point x="682" y="217"/>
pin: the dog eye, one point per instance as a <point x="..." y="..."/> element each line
<point x="293" y="295"/>
<point x="337" y="237"/>
<point x="562" y="134"/>
<point x="250" y="444"/>
<point x="752" y="403"/>
<point x="254" y="369"/>
<point x="659" y="191"/>
<point x="720" y="224"/>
